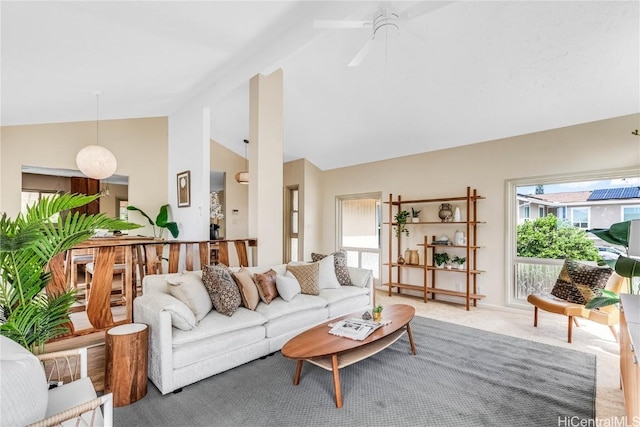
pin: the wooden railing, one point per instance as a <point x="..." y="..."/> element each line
<point x="137" y="257"/>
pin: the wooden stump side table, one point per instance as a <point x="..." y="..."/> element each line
<point x="126" y="348"/>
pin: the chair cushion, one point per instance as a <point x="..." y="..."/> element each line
<point x="73" y="394"/>
<point x="23" y="386"/>
<point x="573" y="274"/>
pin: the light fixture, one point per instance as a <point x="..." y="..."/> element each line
<point x="243" y="177"/>
<point x="93" y="160"/>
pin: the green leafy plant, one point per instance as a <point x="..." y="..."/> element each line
<point x="377" y="309"/>
<point x="401" y="219"/>
<point x="28" y="243"/>
<point x="441" y="258"/>
<point x="617" y="234"/>
<point x="415" y="213"/>
<point x="459" y="260"/>
<point x="161" y="223"/>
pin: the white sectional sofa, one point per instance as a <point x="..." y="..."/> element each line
<point x="218" y="342"/>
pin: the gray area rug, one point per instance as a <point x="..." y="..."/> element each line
<point x="460" y="377"/>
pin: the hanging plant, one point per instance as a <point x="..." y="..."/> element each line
<point x="401" y="220"/>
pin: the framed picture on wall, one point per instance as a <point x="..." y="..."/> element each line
<point x="184" y="189"/>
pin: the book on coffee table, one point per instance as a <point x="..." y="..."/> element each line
<point x="355" y="329"/>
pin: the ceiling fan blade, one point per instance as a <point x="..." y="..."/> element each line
<point x="362" y="53"/>
<point x="422" y="8"/>
<point x="320" y="23"/>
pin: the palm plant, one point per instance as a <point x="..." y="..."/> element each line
<point x="161" y="222"/>
<point x="31" y="314"/>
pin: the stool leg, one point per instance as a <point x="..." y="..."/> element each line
<point x="570" y="333"/>
<point x="535" y="317"/>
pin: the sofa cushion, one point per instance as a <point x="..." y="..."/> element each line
<point x="279" y="307"/>
<point x="23" y="387"/>
<point x="266" y="283"/>
<point x="574" y="273"/>
<point x="288" y="286"/>
<point x="308" y="276"/>
<point x="333" y="296"/>
<point x="222" y="289"/>
<point x="359" y="277"/>
<point x="215" y="323"/>
<point x="304" y="319"/>
<point x="247" y="287"/>
<point x="188" y="288"/>
<point x="181" y="316"/>
<point x="340" y="266"/>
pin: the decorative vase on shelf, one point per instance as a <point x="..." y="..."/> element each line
<point x="445" y="212"/>
<point x="407" y="256"/>
<point x="456" y="215"/>
<point x="414" y="257"/>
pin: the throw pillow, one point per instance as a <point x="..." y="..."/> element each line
<point x="266" y="283"/>
<point x="188" y="288"/>
<point x="308" y="277"/>
<point x="340" y="264"/>
<point x="222" y="289"/>
<point x="288" y="286"/>
<point x="181" y="316"/>
<point x="573" y="274"/>
<point x="248" y="289"/>
<point x="327" y="273"/>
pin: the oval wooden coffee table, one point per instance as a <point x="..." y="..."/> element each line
<point x="333" y="353"/>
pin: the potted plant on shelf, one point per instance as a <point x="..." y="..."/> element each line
<point x="415" y="215"/>
<point x="31" y="314"/>
<point x="441" y="258"/>
<point x="459" y="261"/>
<point x="401" y="221"/>
<point x="377" y="313"/>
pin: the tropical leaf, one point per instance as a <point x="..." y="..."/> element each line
<point x="161" y="221"/>
<point x="617" y="234"/>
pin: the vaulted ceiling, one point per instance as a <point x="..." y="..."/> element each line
<point x="455" y="73"/>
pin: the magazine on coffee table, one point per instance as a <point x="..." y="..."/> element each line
<point x="354" y="328"/>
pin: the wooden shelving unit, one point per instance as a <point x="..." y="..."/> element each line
<point x="430" y="270"/>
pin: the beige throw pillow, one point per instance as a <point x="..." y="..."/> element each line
<point x="188" y="288"/>
<point x="308" y="276"/>
<point x="248" y="288"/>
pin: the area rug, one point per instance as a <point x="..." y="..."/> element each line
<point x="460" y="377"/>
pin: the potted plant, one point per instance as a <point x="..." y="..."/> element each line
<point x="377" y="313"/>
<point x="162" y="222"/>
<point x="401" y="220"/>
<point x="31" y="315"/>
<point x="415" y="215"/>
<point x="617" y="234"/>
<point x="459" y="261"/>
<point x="441" y="258"/>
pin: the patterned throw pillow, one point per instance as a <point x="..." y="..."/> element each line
<point x="308" y="276"/>
<point x="222" y="289"/>
<point x="573" y="274"/>
<point x="340" y="264"/>
<point x="266" y="283"/>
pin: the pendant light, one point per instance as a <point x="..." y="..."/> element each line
<point x="93" y="160"/>
<point x="243" y="177"/>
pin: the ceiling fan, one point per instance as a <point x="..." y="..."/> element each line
<point x="385" y="22"/>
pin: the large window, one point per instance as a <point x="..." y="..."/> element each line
<point x="567" y="205"/>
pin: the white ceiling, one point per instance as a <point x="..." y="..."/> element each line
<point x="466" y="72"/>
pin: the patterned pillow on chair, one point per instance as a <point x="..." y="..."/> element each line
<point x="575" y="275"/>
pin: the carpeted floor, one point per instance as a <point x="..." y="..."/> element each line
<point x="461" y="377"/>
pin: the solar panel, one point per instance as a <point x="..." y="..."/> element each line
<point x="615" y="193"/>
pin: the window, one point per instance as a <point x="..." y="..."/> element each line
<point x="580" y="217"/>
<point x="527" y="212"/>
<point x="292" y="220"/>
<point x="568" y="205"/>
<point x="630" y="212"/>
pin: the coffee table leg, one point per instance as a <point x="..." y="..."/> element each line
<point x="336" y="380"/>
<point x="413" y="345"/>
<point x="296" y="379"/>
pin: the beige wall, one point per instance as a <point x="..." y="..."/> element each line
<point x="601" y="145"/>
<point x="140" y="145"/>
<point x="236" y="195"/>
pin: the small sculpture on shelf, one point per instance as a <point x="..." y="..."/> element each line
<point x="446" y="212"/>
